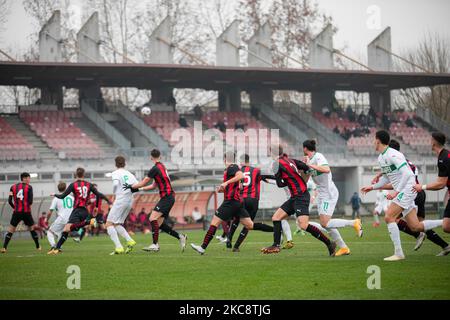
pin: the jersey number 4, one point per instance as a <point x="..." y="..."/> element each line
<point x="20" y="194"/>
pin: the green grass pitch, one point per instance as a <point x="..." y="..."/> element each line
<point x="304" y="272"/>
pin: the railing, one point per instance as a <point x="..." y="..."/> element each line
<point x="143" y="128"/>
<point x="436" y="122"/>
<point x="105" y="127"/>
<point x="9" y="109"/>
<point x="283" y="124"/>
<point x="338" y="143"/>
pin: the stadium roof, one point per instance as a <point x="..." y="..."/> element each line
<point x="148" y="76"/>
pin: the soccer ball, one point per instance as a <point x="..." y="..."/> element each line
<point x="146" y="111"/>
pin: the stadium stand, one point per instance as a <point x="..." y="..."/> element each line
<point x="13" y="146"/>
<point x="59" y="132"/>
<point x="400" y="124"/>
<point x="164" y="123"/>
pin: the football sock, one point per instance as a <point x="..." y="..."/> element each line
<point x="114" y="236"/>
<point x="435" y="238"/>
<point x="403" y="226"/>
<point x="376" y="218"/>
<point x="318" y="226"/>
<point x="225" y="228"/>
<point x="62" y="239"/>
<point x="8" y="237"/>
<point x="233" y="228"/>
<point x="262" y="227"/>
<point x="82" y="233"/>
<point x="336" y="236"/>
<point x="208" y="236"/>
<point x="286" y="230"/>
<point x="155" y="231"/>
<point x="431" y="224"/>
<point x="35" y="237"/>
<point x="51" y="239"/>
<point x="394" y="233"/>
<point x="241" y="238"/>
<point x="277" y="233"/>
<point x="123" y="233"/>
<point x="319" y="235"/>
<point x="340" y="223"/>
<point x="164" y="227"/>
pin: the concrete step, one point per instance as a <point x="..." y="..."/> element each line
<point x="44" y="151"/>
<point x="89" y="129"/>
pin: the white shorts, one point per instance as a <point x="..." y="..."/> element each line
<point x="405" y="200"/>
<point x="119" y="212"/>
<point x="57" y="226"/>
<point x="381" y="208"/>
<point x="326" y="206"/>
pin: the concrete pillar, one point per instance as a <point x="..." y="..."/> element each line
<point x="227" y="55"/>
<point x="50" y="44"/>
<point x="89" y="41"/>
<point x="50" y="41"/>
<point x="88" y="44"/>
<point x="260" y="44"/>
<point x="380" y="60"/>
<point x="321" y="57"/>
<point x="161" y="52"/>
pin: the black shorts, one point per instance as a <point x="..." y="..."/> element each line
<point x="447" y="210"/>
<point x="78" y="215"/>
<point x="420" y="203"/>
<point x="164" y="205"/>
<point x="100" y="219"/>
<point x="230" y="209"/>
<point x="251" y="205"/>
<point x="27" y="219"/>
<point x="298" y="205"/>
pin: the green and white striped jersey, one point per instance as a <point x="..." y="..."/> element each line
<point x="390" y="161"/>
<point x="324" y="181"/>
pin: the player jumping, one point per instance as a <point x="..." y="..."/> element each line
<point x="232" y="207"/>
<point x="121" y="207"/>
<point x="162" y="209"/>
<point x="327" y="198"/>
<point x="250" y="197"/>
<point x="81" y="190"/>
<point x="292" y="173"/>
<point x="63" y="209"/>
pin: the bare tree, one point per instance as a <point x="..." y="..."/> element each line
<point x="5" y="9"/>
<point x="433" y="54"/>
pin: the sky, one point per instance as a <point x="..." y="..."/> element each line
<point x="358" y="23"/>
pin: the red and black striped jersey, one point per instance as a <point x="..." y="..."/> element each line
<point x="414" y="170"/>
<point x="288" y="171"/>
<point x="94" y="202"/>
<point x="444" y="166"/>
<point x="162" y="179"/>
<point x="252" y="182"/>
<point x="21" y="197"/>
<point x="81" y="190"/>
<point x="231" y="190"/>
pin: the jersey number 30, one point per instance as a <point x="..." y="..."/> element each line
<point x="83" y="191"/>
